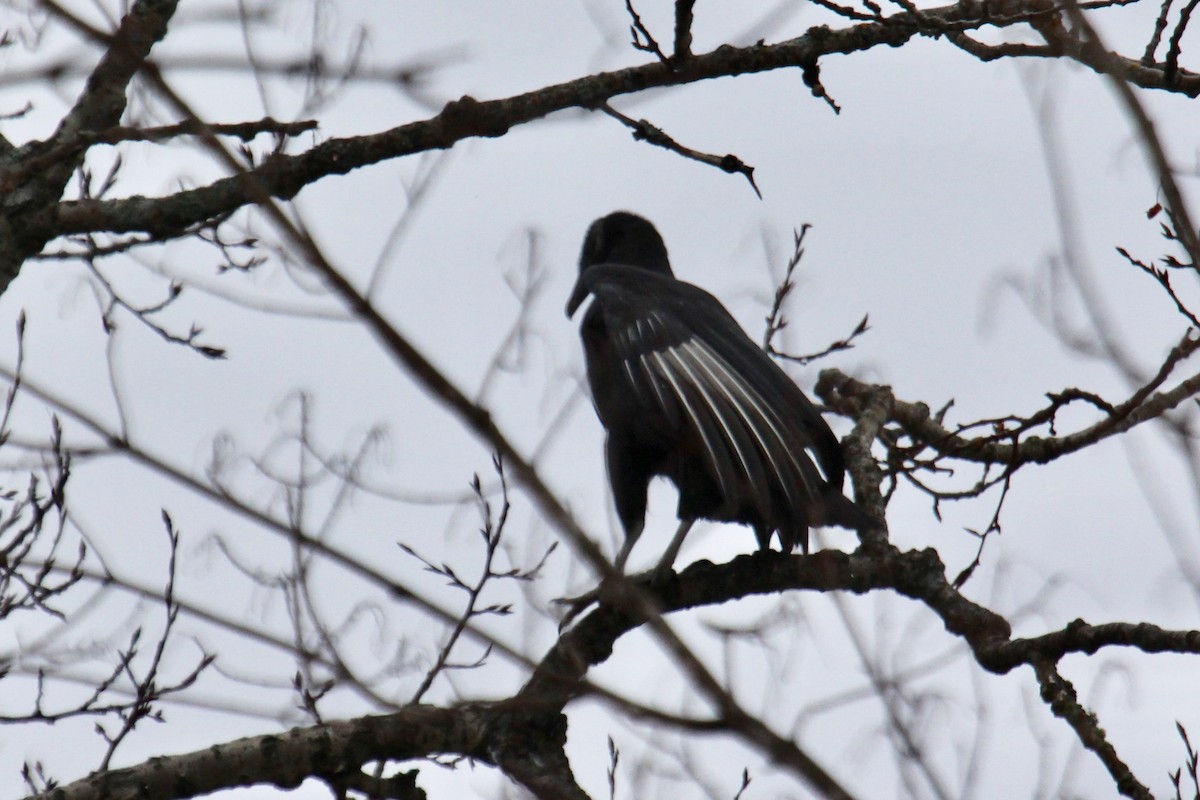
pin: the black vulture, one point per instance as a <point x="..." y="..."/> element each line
<point x="684" y="393"/>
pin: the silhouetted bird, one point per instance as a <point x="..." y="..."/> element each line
<point x="683" y="392"/>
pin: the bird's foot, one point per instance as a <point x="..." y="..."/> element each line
<point x="575" y="606"/>
<point x="611" y="592"/>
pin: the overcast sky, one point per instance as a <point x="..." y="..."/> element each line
<point x="933" y="210"/>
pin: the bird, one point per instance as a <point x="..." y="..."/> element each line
<point x="684" y="393"/>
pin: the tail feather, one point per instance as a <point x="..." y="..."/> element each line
<point x="845" y="513"/>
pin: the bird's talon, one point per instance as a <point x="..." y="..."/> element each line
<point x="575" y="606"/>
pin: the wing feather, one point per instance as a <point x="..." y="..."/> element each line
<point x="735" y="427"/>
<point x="769" y="429"/>
<point x="664" y="366"/>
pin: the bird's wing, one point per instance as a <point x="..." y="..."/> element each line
<point x="682" y="352"/>
<point x="777" y="391"/>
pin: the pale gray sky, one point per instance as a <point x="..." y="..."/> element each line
<point x="930" y="199"/>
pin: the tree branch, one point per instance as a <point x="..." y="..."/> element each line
<point x="284" y="176"/>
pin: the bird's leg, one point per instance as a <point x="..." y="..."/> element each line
<point x="576" y="605"/>
<point x="623" y="555"/>
<point x="631" y="536"/>
<point x="668" y="558"/>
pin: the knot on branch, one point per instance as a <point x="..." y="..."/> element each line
<point x="467" y="117"/>
<point x="530" y="742"/>
<point x="924" y="577"/>
<point x="811" y="73"/>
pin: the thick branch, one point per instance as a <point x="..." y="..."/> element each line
<point x="98" y="107"/>
<point x="104" y="96"/>
<point x="916" y="574"/>
<point x="286" y="760"/>
<point x="849" y="396"/>
<point x="499" y="734"/>
<point x="1058" y="693"/>
<point x="283" y="176"/>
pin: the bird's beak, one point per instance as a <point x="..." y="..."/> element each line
<point x="578" y="294"/>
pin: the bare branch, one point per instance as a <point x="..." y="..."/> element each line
<point x="642" y="38"/>
<point x="683" y="29"/>
<point x="1059" y="694"/>
<point x="644" y="131"/>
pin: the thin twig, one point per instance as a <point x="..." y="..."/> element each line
<point x="646" y="132"/>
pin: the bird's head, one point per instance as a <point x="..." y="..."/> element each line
<point x="620" y="239"/>
<point x="626" y="239"/>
